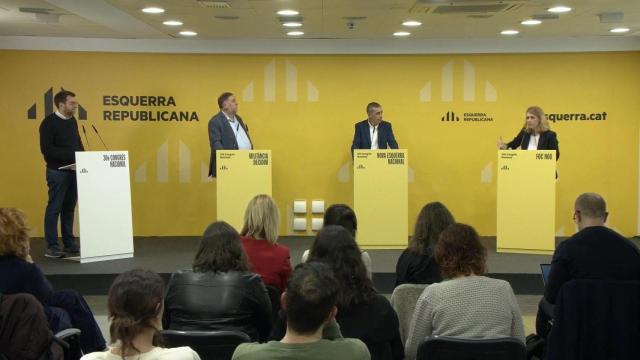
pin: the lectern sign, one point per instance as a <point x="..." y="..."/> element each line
<point x="526" y="201"/>
<point x="241" y="175"/>
<point x="380" y="196"/>
<point x="104" y="198"/>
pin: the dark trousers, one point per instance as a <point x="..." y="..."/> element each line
<point x="67" y="309"/>
<point x="63" y="195"/>
<point x="545" y="314"/>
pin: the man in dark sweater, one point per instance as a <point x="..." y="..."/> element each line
<point x="59" y="140"/>
<point x="594" y="252"/>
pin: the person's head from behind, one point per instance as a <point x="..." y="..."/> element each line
<point x="335" y="246"/>
<point x="220" y="250"/>
<point x="135" y="307"/>
<point x="227" y="103"/>
<point x="14" y="233"/>
<point x="535" y="121"/>
<point x="590" y="209"/>
<point x="342" y="215"/>
<point x="374" y="113"/>
<point x="261" y="219"/>
<point x="459" y="252"/>
<point x="66" y="102"/>
<point x="432" y="220"/>
<point x="310" y="298"/>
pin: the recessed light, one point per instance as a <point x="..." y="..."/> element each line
<point x="401" y="33"/>
<point x="288" y="12"/>
<point x="292" y="24"/>
<point x="295" y="33"/>
<point x="172" y="23"/>
<point x="509" y="32"/>
<point x="619" y="30"/>
<point x="531" y="22"/>
<point x="412" y="23"/>
<point x="153" y="10"/>
<point x="188" y="33"/>
<point x="559" y="9"/>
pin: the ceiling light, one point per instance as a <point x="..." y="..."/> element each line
<point x="559" y="9"/>
<point x="401" y="33"/>
<point x="153" y="10"/>
<point x="509" y="32"/>
<point x="531" y="22"/>
<point x="292" y="24"/>
<point x="295" y="33"/>
<point x="412" y="23"/>
<point x="288" y="12"/>
<point x="172" y="23"/>
<point x="619" y="30"/>
<point x="188" y="33"/>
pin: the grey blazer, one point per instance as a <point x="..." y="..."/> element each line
<point x="222" y="137"/>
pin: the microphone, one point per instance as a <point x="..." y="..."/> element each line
<point x="99" y="137"/>
<point x="85" y="137"/>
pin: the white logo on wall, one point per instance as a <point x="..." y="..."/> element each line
<point x="290" y="84"/>
<point x="162" y="166"/>
<point x="469" y="85"/>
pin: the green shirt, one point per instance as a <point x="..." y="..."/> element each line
<point x="336" y="349"/>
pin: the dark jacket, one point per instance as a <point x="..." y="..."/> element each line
<point x="362" y="136"/>
<point x="548" y="141"/>
<point x="24" y="330"/>
<point x="417" y="269"/>
<point x="222" y="137"/>
<point x="596" y="320"/>
<point x="595" y="252"/>
<point x="19" y="276"/>
<point x="218" y="301"/>
<point x="375" y="324"/>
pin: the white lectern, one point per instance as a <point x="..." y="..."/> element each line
<point x="104" y="201"/>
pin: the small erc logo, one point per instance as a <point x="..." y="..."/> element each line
<point x="450" y="116"/>
<point x="224" y="167"/>
<point x="360" y="166"/>
<point x="32" y="113"/>
<point x="84" y="171"/>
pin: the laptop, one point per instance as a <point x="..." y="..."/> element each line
<point x="546" y="269"/>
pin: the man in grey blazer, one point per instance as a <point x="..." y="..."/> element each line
<point x="227" y="131"/>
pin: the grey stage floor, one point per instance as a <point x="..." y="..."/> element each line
<point x="167" y="254"/>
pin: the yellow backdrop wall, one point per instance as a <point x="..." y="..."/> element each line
<point x="303" y="108"/>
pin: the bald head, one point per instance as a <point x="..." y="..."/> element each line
<point x="591" y="210"/>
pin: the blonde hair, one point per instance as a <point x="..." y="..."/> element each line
<point x="261" y="219"/>
<point x="14" y="233"/>
<point x="543" y="124"/>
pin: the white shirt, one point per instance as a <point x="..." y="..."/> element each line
<point x="241" y="136"/>
<point x="59" y="114"/>
<point x="533" y="142"/>
<point x="179" y="353"/>
<point x="373" y="133"/>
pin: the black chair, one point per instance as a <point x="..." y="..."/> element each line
<point x="210" y="345"/>
<point x="452" y="348"/>
<point x="596" y="319"/>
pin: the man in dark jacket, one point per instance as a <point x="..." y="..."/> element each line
<point x="594" y="252"/>
<point x="227" y="131"/>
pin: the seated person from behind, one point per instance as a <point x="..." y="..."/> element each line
<point x="416" y="264"/>
<point x="594" y="252"/>
<point x="466" y="303"/>
<point x="259" y="238"/>
<point x="220" y="293"/>
<point x="343" y="215"/>
<point x="135" y="310"/>
<point x="18" y="274"/>
<point x="312" y="333"/>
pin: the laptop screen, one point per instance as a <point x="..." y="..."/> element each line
<point x="546" y="269"/>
